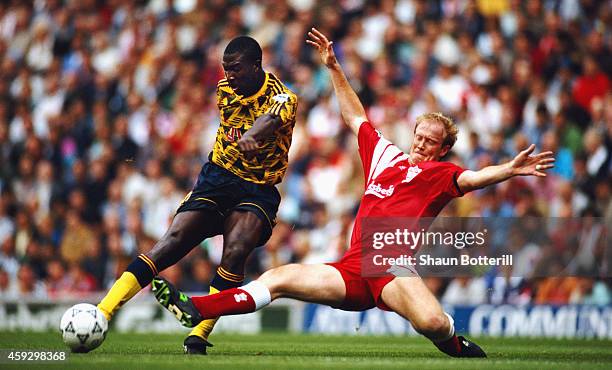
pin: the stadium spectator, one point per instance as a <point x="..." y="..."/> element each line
<point x="26" y="285"/>
<point x="201" y="272"/>
<point x="555" y="289"/>
<point x="598" y="154"/>
<point x="80" y="281"/>
<point x="464" y="291"/>
<point x="7" y="226"/>
<point x="57" y="281"/>
<point x="504" y="287"/>
<point x="592" y="292"/>
<point x="5" y="283"/>
<point x="565" y="165"/>
<point x="8" y="260"/>
<point x="78" y="236"/>
<point x="591" y="84"/>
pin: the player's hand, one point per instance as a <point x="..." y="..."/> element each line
<point x="525" y="164"/>
<point x="248" y="146"/>
<point x="323" y="45"/>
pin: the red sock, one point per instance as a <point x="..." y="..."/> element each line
<point x="450" y="346"/>
<point x="232" y="301"/>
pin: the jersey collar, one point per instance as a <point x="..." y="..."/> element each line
<point x="257" y="94"/>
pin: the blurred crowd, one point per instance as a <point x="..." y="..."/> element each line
<point x="107" y="112"/>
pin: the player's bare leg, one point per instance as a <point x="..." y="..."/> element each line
<point x="410" y="298"/>
<point x="310" y="283"/>
<point x="187" y="230"/>
<point x="243" y="230"/>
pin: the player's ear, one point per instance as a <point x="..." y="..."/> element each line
<point x="445" y="150"/>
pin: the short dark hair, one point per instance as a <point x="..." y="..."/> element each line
<point x="245" y="46"/>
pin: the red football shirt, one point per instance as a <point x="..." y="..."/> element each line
<point x="395" y="188"/>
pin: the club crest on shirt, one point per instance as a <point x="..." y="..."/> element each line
<point x="233" y="134"/>
<point x="412" y="173"/>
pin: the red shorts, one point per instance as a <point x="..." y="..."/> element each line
<point x="362" y="293"/>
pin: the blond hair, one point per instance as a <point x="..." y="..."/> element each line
<point x="449" y="126"/>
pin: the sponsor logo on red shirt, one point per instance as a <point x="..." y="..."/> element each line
<point x="379" y="191"/>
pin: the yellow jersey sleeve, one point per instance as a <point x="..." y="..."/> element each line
<point x="284" y="105"/>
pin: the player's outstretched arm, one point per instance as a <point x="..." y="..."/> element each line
<point x="524" y="164"/>
<point x="352" y="110"/>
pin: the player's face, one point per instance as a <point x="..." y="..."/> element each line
<point x="427" y="144"/>
<point x="241" y="74"/>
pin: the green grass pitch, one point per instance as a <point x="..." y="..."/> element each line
<point x="286" y="351"/>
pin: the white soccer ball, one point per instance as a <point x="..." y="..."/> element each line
<point x="83" y="327"/>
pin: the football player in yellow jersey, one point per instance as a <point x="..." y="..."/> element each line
<point x="235" y="193"/>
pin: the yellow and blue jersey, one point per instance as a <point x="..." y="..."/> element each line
<point x="238" y="114"/>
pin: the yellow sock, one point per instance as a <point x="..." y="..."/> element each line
<point x="137" y="275"/>
<point x="205" y="327"/>
<point x="222" y="280"/>
<point x="122" y="291"/>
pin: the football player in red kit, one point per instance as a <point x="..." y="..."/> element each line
<point x="397" y="185"/>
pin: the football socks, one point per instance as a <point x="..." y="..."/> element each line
<point x="222" y="280"/>
<point x="235" y="301"/>
<point x="137" y="275"/>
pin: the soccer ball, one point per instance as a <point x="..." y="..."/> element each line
<point x="83" y="327"/>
